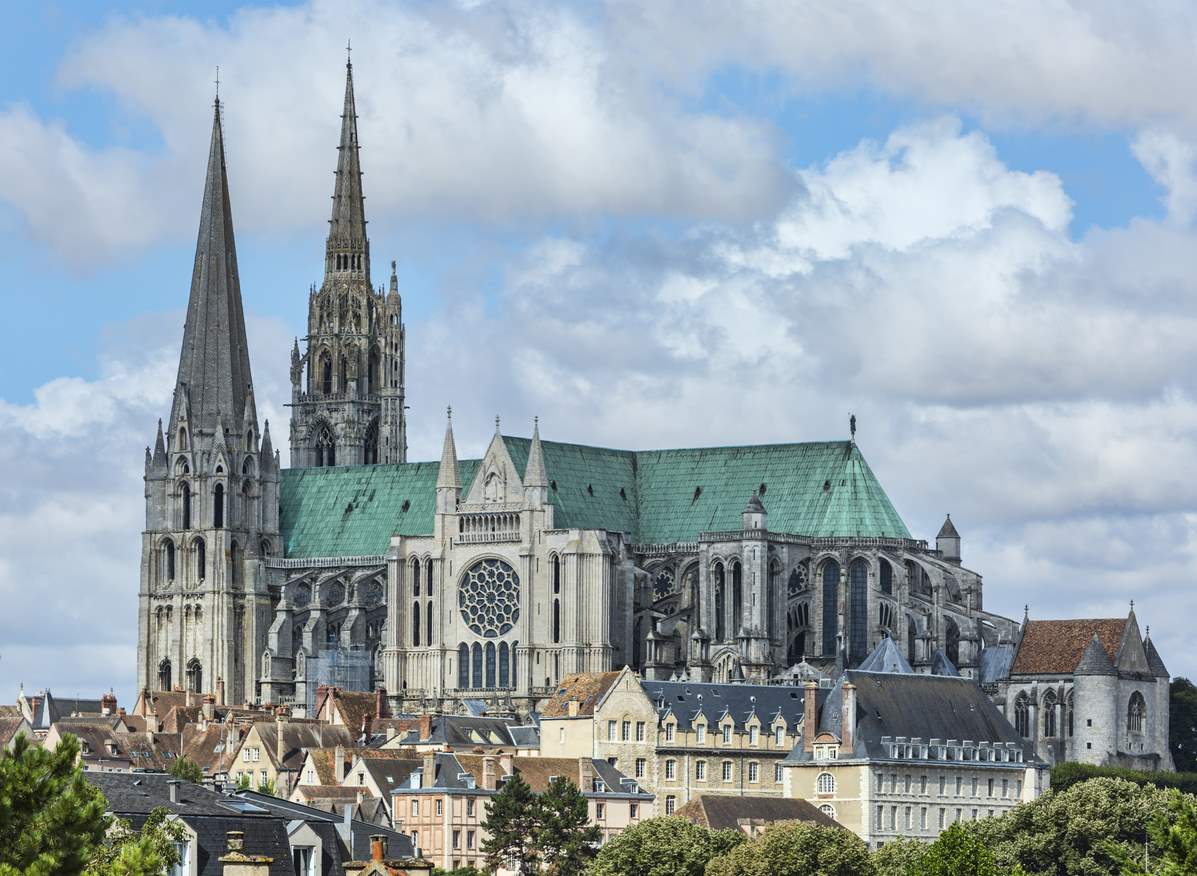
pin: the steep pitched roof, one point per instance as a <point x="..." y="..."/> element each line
<point x="886" y="657"/>
<point x="214" y="372"/>
<point x="948" y="530"/>
<point x="1154" y="661"/>
<point x="656" y="496"/>
<point x="297" y="737"/>
<point x="1095" y="660"/>
<point x="686" y="700"/>
<point x="729" y="812"/>
<point x="1056" y="646"/>
<point x="942" y="665"/>
<point x="585" y="687"/>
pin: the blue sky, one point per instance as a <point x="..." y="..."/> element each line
<point x="651" y="225"/>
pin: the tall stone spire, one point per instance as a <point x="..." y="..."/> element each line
<point x="214" y="373"/>
<point x="535" y="474"/>
<point x="348" y="249"/>
<point x="447" y="477"/>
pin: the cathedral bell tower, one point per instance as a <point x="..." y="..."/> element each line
<point x="211" y="486"/>
<point x="347" y="399"/>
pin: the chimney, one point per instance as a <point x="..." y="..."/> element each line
<point x="209" y="707"/>
<point x="506" y="762"/>
<point x="848" y="719"/>
<point x="810" y="716"/>
<point x="220" y="691"/>
<point x="280" y="747"/>
<point x="378" y="847"/>
<point x="573" y="707"/>
<point x="380" y="703"/>
<point x="108" y="703"/>
<point x="151" y="723"/>
<point x="339" y="764"/>
<point x="488" y="773"/>
<point x="172" y="788"/>
<point x="236" y="841"/>
<point x="236" y="862"/>
<point x="429" y="772"/>
<point x="425" y="727"/>
<point x="187" y="698"/>
<point x="585" y="774"/>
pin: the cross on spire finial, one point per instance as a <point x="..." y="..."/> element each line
<point x="449" y="412"/>
<point x="218" y="85"/>
<point x="349" y="53"/>
<point x="496" y="423"/>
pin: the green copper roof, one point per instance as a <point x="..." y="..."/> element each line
<point x="656" y="496"/>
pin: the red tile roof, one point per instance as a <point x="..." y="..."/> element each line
<point x="585" y="687"/>
<point x="1056" y="646"/>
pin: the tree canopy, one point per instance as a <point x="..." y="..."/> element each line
<point x="511" y="824"/>
<point x="1182" y="724"/>
<point x="796" y="848"/>
<point x="565" y="838"/>
<point x="667" y="846"/>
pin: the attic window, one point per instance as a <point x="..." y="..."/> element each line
<point x="553" y="484"/>
<point x="697" y="493"/>
<point x="826" y="486"/>
<point x="622" y="494"/>
<point x="762" y="488"/>
<point x="406" y="505"/>
<point x="590" y="489"/>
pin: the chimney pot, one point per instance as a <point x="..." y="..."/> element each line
<point x="236" y="840"/>
<point x="172" y="787"/>
<point x="378" y="846"/>
<point x="425" y="727"/>
<point x="809" y="716"/>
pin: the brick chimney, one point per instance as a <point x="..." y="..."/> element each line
<point x="209" y="707"/>
<point x="339" y="764"/>
<point x="586" y="774"/>
<point x="429" y="772"/>
<point x="506" y="762"/>
<point x="488" y="773"/>
<point x="848" y="719"/>
<point x="810" y="716"/>
<point x="108" y="703"/>
<point x="425" y="727"/>
<point x="380" y="703"/>
<point x="220" y="691"/>
<point x="378" y="847"/>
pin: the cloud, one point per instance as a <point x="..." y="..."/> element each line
<point x="1172" y="162"/>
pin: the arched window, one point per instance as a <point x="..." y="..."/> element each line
<point x="182" y="439"/>
<point x="185" y="496"/>
<point x="164" y="675"/>
<point x="828" y="810"/>
<point x="415" y="577"/>
<point x="556" y="621"/>
<point x="831" y="595"/>
<point x="720" y="626"/>
<point x="504" y="665"/>
<point x="428" y="626"/>
<point x="218" y="506"/>
<point x="1022" y="716"/>
<point x="326" y="447"/>
<point x="168" y="560"/>
<point x="476" y="664"/>
<point x="463" y="665"/>
<point x="951" y="639"/>
<point x="326" y="374"/>
<point x="737" y="598"/>
<point x="201" y="559"/>
<point x="555" y="570"/>
<point x="490" y="664"/>
<point x="825" y="783"/>
<point x="887" y="577"/>
<point x="415" y="624"/>
<point x="371" y="446"/>
<point x="858" y="596"/>
<point x="1068" y="714"/>
<point x="1136" y="713"/>
<point x="195" y="676"/>
<point x="1049" y="714"/>
<point x="372" y="372"/>
<point x="912" y="631"/>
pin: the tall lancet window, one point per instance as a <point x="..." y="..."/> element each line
<point x="326" y="446"/>
<point x="185" y="498"/>
<point x="218" y="506"/>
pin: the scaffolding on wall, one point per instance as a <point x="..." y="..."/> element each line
<point x="347" y="668"/>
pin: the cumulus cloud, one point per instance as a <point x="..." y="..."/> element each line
<point x="1172" y="162"/>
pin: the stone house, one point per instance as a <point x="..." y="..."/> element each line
<point x="272" y="752"/>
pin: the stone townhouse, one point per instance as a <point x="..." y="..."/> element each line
<point x="677" y="739"/>
<point x="273" y="752"/>
<point x="899" y="754"/>
<point x="443" y="804"/>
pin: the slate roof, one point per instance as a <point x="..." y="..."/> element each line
<point x="1056" y="646"/>
<point x="463" y="731"/>
<point x="685" y="700"/>
<point x="948" y="530"/>
<point x="209" y="814"/>
<point x="1154" y="661"/>
<point x="923" y="706"/>
<point x="886" y="657"/>
<point x="655" y="496"/>
<point x="995" y="662"/>
<point x="389" y="773"/>
<point x="942" y="665"/>
<point x="728" y="812"/>
<point x="1095" y="660"/>
<point x="585" y="687"/>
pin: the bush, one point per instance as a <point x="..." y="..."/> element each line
<point x="1066" y="775"/>
<point x="796" y="848"/>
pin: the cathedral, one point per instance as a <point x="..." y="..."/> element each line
<point x="492" y="579"/>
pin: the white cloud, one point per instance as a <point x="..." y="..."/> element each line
<point x="1172" y="162"/>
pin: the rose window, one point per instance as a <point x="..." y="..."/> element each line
<point x="663" y="585"/>
<point x="489" y="598"/>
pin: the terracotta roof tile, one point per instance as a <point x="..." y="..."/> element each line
<point x="585" y="687"/>
<point x="1056" y="646"/>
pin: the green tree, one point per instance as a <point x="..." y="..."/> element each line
<point x="51" y="820"/>
<point x="266" y="786"/>
<point x="898" y="857"/>
<point x="186" y="769"/>
<point x="511" y="823"/>
<point x="1182" y="724"/>
<point x="668" y="846"/>
<point x="1173" y="835"/>
<point x="1083" y="830"/>
<point x="244" y="782"/>
<point x="565" y="838"/>
<point x="958" y="850"/>
<point x="796" y="848"/>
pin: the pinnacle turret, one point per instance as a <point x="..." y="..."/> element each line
<point x="447" y="477"/>
<point x="214" y="370"/>
<point x="535" y="474"/>
<point x="348" y="249"/>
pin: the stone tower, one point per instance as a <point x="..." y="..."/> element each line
<point x="211" y="486"/>
<point x="347" y="400"/>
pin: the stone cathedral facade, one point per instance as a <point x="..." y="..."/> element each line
<point x="494" y="578"/>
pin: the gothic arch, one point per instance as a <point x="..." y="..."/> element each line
<point x="1022" y="715"/>
<point x="195" y="676"/>
<point x="829" y="574"/>
<point x="370" y="448"/>
<point x="164" y="674"/>
<point x="951" y="640"/>
<point x="1136" y="713"/>
<point x="324" y="443"/>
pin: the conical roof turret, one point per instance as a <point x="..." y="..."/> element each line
<point x="948" y="530"/>
<point x="266" y="454"/>
<point x="214" y="370"/>
<point x="1095" y="660"/>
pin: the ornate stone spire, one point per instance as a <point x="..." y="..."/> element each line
<point x="447" y="477"/>
<point x="535" y="474"/>
<point x="214" y="369"/>
<point x="348" y="249"/>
